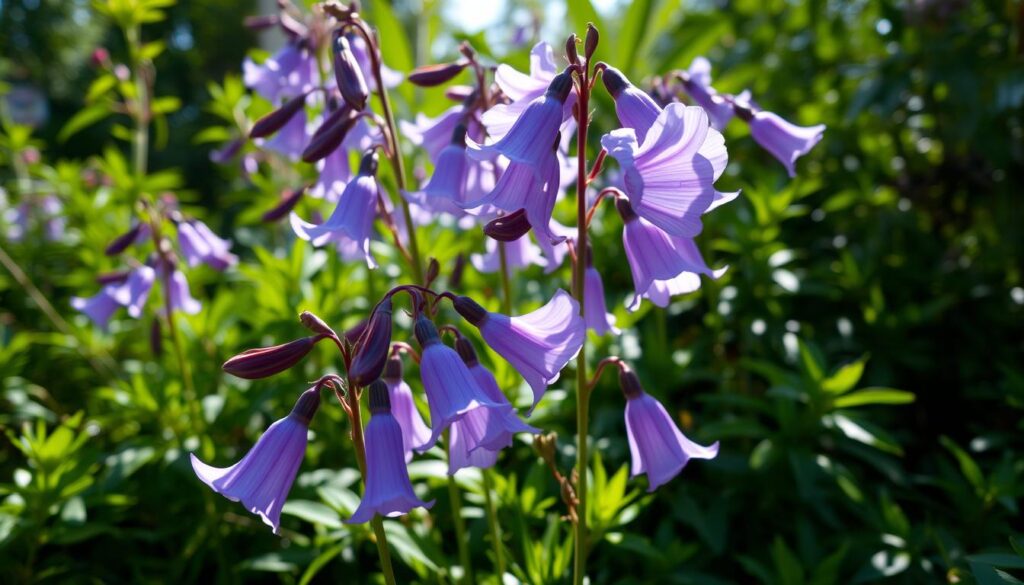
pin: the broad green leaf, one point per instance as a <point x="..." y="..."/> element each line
<point x="82" y="120"/>
<point x="845" y="377"/>
<point x="633" y="32"/>
<point x="314" y="512"/>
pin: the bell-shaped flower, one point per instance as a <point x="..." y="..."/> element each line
<point x="288" y="73"/>
<point x="595" y="312"/>
<point x="785" y="141"/>
<point x="531" y="138"/>
<point x="634" y="107"/>
<point x="135" y="290"/>
<point x="452" y="392"/>
<point x="697" y="84"/>
<point x="519" y="254"/>
<point x="388" y="489"/>
<point x="351" y="222"/>
<point x="445" y="191"/>
<point x="199" y="244"/>
<point x="669" y="179"/>
<point x="538" y="344"/>
<point x="415" y="432"/>
<point x="335" y="174"/>
<point x="179" y="297"/>
<point x="523" y="89"/>
<point x="663" y="265"/>
<point x="656" y="445"/>
<point x="100" y="307"/>
<point x="434" y="134"/>
<point x="505" y="422"/>
<point x="261" y="480"/>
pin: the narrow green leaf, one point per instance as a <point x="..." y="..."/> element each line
<point x="845" y="377"/>
<point x="82" y="120"/>
<point x="874" y="396"/>
<point x="633" y="32"/>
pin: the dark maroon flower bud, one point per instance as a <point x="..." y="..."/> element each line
<point x="560" y="86"/>
<point x="458" y="93"/>
<point x="112" y="277"/>
<point x="327" y="139"/>
<point x="434" y="75"/>
<point x="349" y="75"/>
<point x="590" y="45"/>
<point x="316" y="324"/>
<point x="613" y="81"/>
<point x="307" y="405"/>
<point x="261" y="22"/>
<point x="466" y="351"/>
<point x="276" y="119"/>
<point x="393" y="369"/>
<point x="455" y="278"/>
<point x="433" y="270"/>
<point x="156" y="342"/>
<point x="625" y="210"/>
<point x="263" y="362"/>
<point x="289" y="199"/>
<point x="508" y="228"/>
<point x="227" y="152"/>
<point x="629" y="382"/>
<point x="470" y="310"/>
<point x="121" y="243"/>
<point x="380" y="400"/>
<point x="570" y="49"/>
<point x="374" y="345"/>
<point x="352" y="335"/>
<point x="426" y="332"/>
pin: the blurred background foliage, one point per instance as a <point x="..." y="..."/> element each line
<point x="862" y="362"/>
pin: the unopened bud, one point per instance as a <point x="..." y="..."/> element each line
<point x="470" y="310"/>
<point x="508" y="228"/>
<point x="372" y="353"/>
<point x="426" y="332"/>
<point x="276" y="119"/>
<point x="625" y="210"/>
<point x="629" y="382"/>
<point x="380" y="400"/>
<point x="328" y="138"/>
<point x="315" y="324"/>
<point x="433" y="270"/>
<point x="352" y="335"/>
<point x="264" y="362"/>
<point x="455" y="278"/>
<point x="614" y="81"/>
<point x="590" y="45"/>
<point x="466" y="351"/>
<point x="434" y="75"/>
<point x="570" y="49"/>
<point x="393" y="369"/>
<point x="560" y="86"/>
<point x="289" y="199"/>
<point x="112" y="277"/>
<point x="307" y="405"/>
<point x="121" y="243"/>
<point x="349" y="75"/>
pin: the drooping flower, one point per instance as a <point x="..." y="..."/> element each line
<point x="388" y="489"/>
<point x="523" y="89"/>
<point x="697" y="84"/>
<point x="335" y="174"/>
<point x="506" y="422"/>
<point x="785" y="141"/>
<point x="434" y="134"/>
<point x="261" y="480"/>
<point x="669" y="179"/>
<point x="595" y="312"/>
<point x="352" y="219"/>
<point x="656" y="445"/>
<point x="634" y="107"/>
<point x="415" y="432"/>
<point x="199" y="244"/>
<point x="663" y="265"/>
<point x="519" y="254"/>
<point x="452" y="392"/>
<point x="100" y="307"/>
<point x="288" y="73"/>
<point x="135" y="290"/>
<point x="538" y="344"/>
<point x="445" y="191"/>
<point x="179" y="297"/>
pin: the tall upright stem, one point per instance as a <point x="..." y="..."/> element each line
<point x="582" y="393"/>
<point x="460" y="524"/>
<point x="492" y="522"/>
<point x="377" y="523"/>
<point x="506" y="278"/>
<point x="140" y="138"/>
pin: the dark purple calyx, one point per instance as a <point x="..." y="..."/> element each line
<point x="466" y="351"/>
<point x="374" y="345"/>
<point x="560" y="86"/>
<point x="307" y="405"/>
<point x="393" y="369"/>
<point x="470" y="310"/>
<point x="625" y="210"/>
<point x="121" y="243"/>
<point x="276" y="119"/>
<point x="380" y="400"/>
<point x="368" y="166"/>
<point x="508" y="228"/>
<point x="426" y="332"/>
<point x="629" y="383"/>
<point x="614" y="81"/>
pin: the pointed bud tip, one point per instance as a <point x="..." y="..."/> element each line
<point x="434" y="75"/>
<point x="426" y="332"/>
<point x="380" y="400"/>
<point x="264" y="362"/>
<point x="470" y="310"/>
<point x="593" y="37"/>
<point x="508" y="228"/>
<point x="374" y="345"/>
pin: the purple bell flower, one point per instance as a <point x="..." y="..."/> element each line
<point x="656" y="445"/>
<point x="199" y="244"/>
<point x="335" y="174"/>
<point x="291" y="139"/>
<point x="100" y="307"/>
<point x="452" y="392"/>
<point x="669" y="179"/>
<point x="351" y="223"/>
<point x="415" y="432"/>
<point x="697" y="83"/>
<point x="663" y="265"/>
<point x="506" y="422"/>
<point x="786" y="142"/>
<point x="135" y="290"/>
<point x="595" y="312"/>
<point x="634" y="107"/>
<point x="538" y="344"/>
<point x="523" y="89"/>
<point x="388" y="489"/>
<point x="262" y="479"/>
<point x="519" y="254"/>
<point x="180" y="299"/>
<point x="434" y="134"/>
<point x="288" y="73"/>
<point x="445" y="191"/>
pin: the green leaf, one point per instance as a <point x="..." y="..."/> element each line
<point x="787" y="565"/>
<point x="968" y="466"/>
<point x="151" y="50"/>
<point x="1005" y="561"/>
<point x="166" y="105"/>
<point x="633" y="32"/>
<point x="82" y="120"/>
<point x="845" y="377"/>
<point x="874" y="396"/>
<point x="100" y="86"/>
<point x="583" y="12"/>
<point x="811" y="361"/>
<point x="313" y="512"/>
<point x="319" y="563"/>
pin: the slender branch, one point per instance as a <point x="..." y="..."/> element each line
<point x="597" y="201"/>
<point x="608" y="361"/>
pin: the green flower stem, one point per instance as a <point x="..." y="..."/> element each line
<point x="460" y="524"/>
<point x="492" y="522"/>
